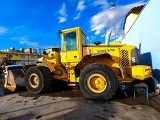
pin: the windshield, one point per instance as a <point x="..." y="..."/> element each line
<point x="71" y="41"/>
<point x="68" y="41"/>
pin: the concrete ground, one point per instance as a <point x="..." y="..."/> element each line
<point x="72" y="105"/>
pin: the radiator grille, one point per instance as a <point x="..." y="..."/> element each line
<point x="124" y="58"/>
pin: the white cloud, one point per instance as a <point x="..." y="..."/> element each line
<point x="102" y="3"/>
<point x="61" y="19"/>
<point x="19" y="27"/>
<point x="106" y="20"/>
<point x="91" y="38"/>
<point x="25" y="41"/>
<point x="102" y="21"/>
<point x="119" y="38"/>
<point x="3" y="30"/>
<point x="62" y="14"/>
<point x="80" y="6"/>
<point x="79" y="9"/>
<point x="77" y="17"/>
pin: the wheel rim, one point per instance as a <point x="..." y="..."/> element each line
<point x="96" y="83"/>
<point x="34" y="81"/>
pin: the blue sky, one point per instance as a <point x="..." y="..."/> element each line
<point x="34" y="23"/>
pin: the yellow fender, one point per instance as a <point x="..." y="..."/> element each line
<point x="77" y="72"/>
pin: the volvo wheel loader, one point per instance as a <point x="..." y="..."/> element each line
<point x="96" y="68"/>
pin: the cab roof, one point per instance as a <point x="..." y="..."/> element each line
<point x="71" y="29"/>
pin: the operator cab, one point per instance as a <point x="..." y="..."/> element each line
<point x="72" y="41"/>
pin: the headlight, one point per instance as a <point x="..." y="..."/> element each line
<point x="133" y="60"/>
<point x="135" y="57"/>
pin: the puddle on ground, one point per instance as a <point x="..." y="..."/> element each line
<point x="1" y="93"/>
<point x="69" y="93"/>
<point x="153" y="102"/>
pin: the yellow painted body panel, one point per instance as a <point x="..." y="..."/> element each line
<point x="60" y="73"/>
<point x="139" y="72"/>
<point x="52" y="60"/>
<point x="75" y="55"/>
<point x="72" y="75"/>
<point x="71" y="56"/>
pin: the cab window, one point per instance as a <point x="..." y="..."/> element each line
<point x="71" y="42"/>
<point x="84" y="40"/>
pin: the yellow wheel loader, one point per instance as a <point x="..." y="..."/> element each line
<point x="96" y="68"/>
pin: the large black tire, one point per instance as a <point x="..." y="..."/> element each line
<point x="38" y="79"/>
<point x="98" y="82"/>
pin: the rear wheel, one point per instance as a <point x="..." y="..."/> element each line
<point x="97" y="81"/>
<point x="38" y="79"/>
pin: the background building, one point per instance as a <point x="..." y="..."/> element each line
<point x="144" y="32"/>
<point x="130" y="17"/>
<point x="22" y="56"/>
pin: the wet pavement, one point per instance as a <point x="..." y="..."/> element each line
<point x="153" y="101"/>
<point x="26" y="100"/>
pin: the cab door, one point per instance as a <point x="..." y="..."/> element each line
<point x="70" y="51"/>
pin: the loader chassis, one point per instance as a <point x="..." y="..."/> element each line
<point x="96" y="69"/>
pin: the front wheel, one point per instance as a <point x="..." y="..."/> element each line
<point x="98" y="82"/>
<point x="38" y="79"/>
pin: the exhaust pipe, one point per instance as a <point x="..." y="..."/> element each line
<point x="107" y="37"/>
